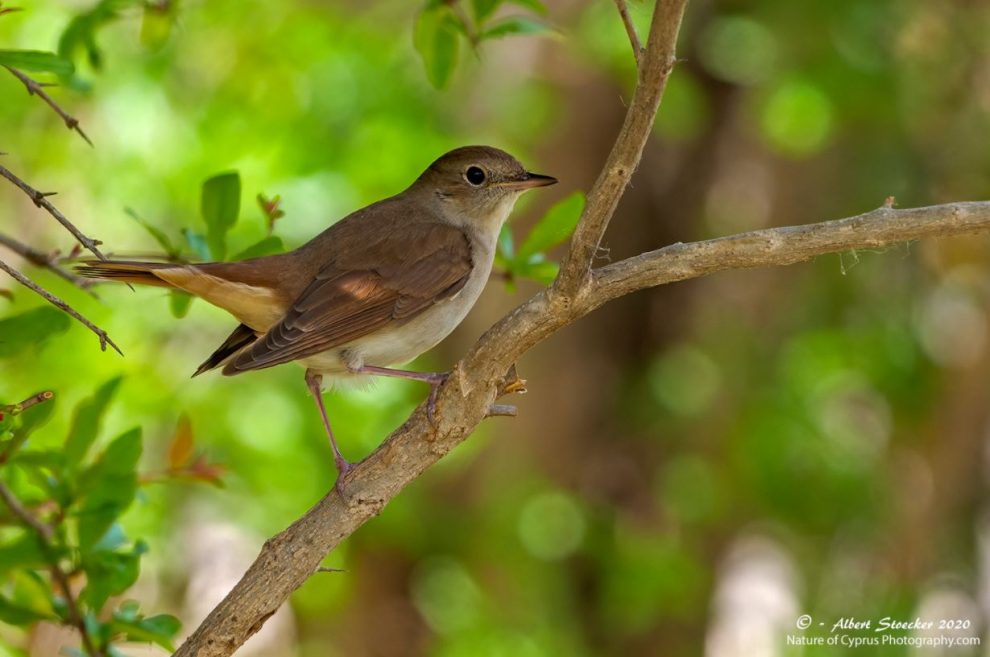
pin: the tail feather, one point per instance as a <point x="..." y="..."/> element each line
<point x="125" y="271"/>
<point x="239" y="339"/>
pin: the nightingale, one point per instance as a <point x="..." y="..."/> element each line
<point x="374" y="290"/>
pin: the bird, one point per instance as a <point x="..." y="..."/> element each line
<point x="372" y="292"/>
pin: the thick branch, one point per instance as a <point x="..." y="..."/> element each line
<point x="48" y="261"/>
<point x="655" y="67"/>
<point x="40" y="199"/>
<point x="784" y="246"/>
<point x="58" y="303"/>
<point x="289" y="558"/>
<point x="35" y="88"/>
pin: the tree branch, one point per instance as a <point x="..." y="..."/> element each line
<point x="288" y="559"/>
<point x="58" y="303"/>
<point x="630" y="29"/>
<point x="656" y="64"/>
<point x="35" y="88"/>
<point x="48" y="261"/>
<point x="40" y="199"/>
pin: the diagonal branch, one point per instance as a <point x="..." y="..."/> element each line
<point x="657" y="63"/>
<point x="288" y="559"/>
<point x="40" y="199"/>
<point x="35" y="88"/>
<point x="630" y="29"/>
<point x="58" y="303"/>
<point x="48" y="261"/>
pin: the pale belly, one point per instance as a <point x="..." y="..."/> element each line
<point x="405" y="342"/>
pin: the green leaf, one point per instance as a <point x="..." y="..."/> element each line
<point x="220" y="204"/>
<point x="484" y="8"/>
<point x="36" y="61"/>
<point x="160" y="629"/>
<point x="21" y="553"/>
<point x="33" y="417"/>
<point x="30" y="328"/>
<point x="110" y="573"/>
<point x="537" y="269"/>
<point x="197" y="243"/>
<point x="179" y="303"/>
<point x="86" y="422"/>
<point x="555" y="226"/>
<point x="437" y="41"/>
<point x="15" y="614"/>
<point x="512" y="25"/>
<point x="533" y="5"/>
<point x="158" y="235"/>
<point x="107" y="488"/>
<point x="267" y="246"/>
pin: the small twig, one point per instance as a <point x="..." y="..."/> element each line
<point x="45" y="534"/>
<point x="473" y="38"/>
<point x="328" y="569"/>
<point x="35" y="88"/>
<point x="43" y="531"/>
<point x="40" y="199"/>
<point x="630" y="29"/>
<point x="47" y="260"/>
<point x="502" y="410"/>
<point x="33" y="400"/>
<point x="58" y="303"/>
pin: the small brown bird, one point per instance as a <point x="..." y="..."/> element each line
<point x="376" y="289"/>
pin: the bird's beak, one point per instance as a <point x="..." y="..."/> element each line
<point x="528" y="181"/>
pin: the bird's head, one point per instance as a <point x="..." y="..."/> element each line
<point x="478" y="184"/>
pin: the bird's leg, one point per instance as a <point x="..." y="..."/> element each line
<point x="435" y="379"/>
<point x="314" y="382"/>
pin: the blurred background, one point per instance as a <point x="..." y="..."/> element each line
<point x="694" y="466"/>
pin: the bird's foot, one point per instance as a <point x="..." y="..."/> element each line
<point x="436" y="380"/>
<point x="343" y="469"/>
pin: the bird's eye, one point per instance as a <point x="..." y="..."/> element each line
<point x="475" y="175"/>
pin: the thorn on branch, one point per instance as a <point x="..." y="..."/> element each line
<point x="328" y="569"/>
<point x="40" y="199"/>
<point x="49" y="261"/>
<point x="35" y="88"/>
<point x="63" y="306"/>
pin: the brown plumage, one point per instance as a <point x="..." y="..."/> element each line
<point x="377" y="288"/>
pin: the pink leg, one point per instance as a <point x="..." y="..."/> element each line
<point x="435" y="379"/>
<point x="313" y="381"/>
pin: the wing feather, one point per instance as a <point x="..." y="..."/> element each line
<point x="413" y="267"/>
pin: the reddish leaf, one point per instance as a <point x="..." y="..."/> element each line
<point x="180" y="451"/>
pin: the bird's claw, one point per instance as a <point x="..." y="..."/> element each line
<point x="431" y="403"/>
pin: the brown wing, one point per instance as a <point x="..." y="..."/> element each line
<point x="415" y="266"/>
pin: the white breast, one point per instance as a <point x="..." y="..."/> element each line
<point x="404" y="343"/>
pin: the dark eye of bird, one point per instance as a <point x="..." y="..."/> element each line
<point x="475" y="175"/>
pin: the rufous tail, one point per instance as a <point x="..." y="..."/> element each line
<point x="125" y="271"/>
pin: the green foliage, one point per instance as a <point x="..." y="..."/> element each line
<point x="437" y="38"/>
<point x="441" y="26"/>
<point x="37" y="61"/>
<point x="529" y="259"/>
<point x="86" y="423"/>
<point x="82" y="504"/>
<point x="31" y="328"/>
<point x="80" y="34"/>
<point x="220" y="205"/>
